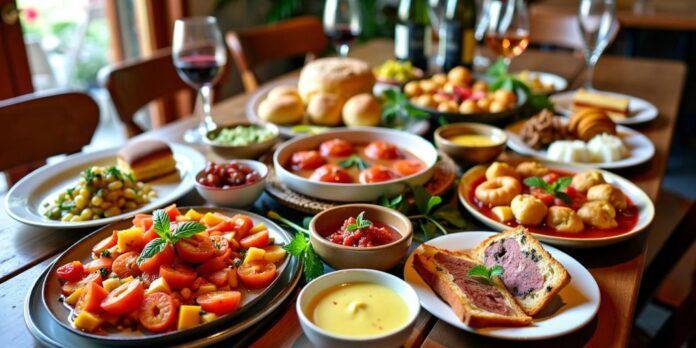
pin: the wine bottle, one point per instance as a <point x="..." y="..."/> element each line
<point x="412" y="33"/>
<point x="457" y="42"/>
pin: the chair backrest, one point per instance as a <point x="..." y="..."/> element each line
<point x="40" y="125"/>
<point x="298" y="36"/>
<point x="558" y="28"/>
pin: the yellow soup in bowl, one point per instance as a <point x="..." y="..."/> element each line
<point x="475" y="140"/>
<point x="358" y="310"/>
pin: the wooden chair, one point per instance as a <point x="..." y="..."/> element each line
<point x="295" y="37"/>
<point x="40" y="125"/>
<point x="557" y="28"/>
<point x="135" y="83"/>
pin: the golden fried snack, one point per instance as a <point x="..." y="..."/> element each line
<point x="608" y="193"/>
<point x="600" y="214"/>
<point x="564" y="219"/>
<point x="531" y="168"/>
<point x="498" y="191"/>
<point x="497" y="169"/>
<point x="587" y="123"/>
<point x="528" y="210"/>
<point x="583" y="181"/>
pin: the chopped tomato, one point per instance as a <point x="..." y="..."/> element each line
<point x="148" y="278"/>
<point x="98" y="264"/>
<point x="377" y="173"/>
<point x="70" y="287"/>
<point x="220" y="302"/>
<point x="408" y="167"/>
<point x="172" y="211"/>
<point x="258" y="240"/>
<point x="220" y="243"/>
<point x="220" y="277"/>
<point x="164" y="257"/>
<point x="224" y="226"/>
<point x="195" y="249"/>
<point x="126" y="265"/>
<point x="143" y="221"/>
<point x="241" y="225"/>
<point x="91" y="298"/>
<point x="544" y="196"/>
<point x="550" y="178"/>
<point x="125" y="298"/>
<point x="331" y="173"/>
<point x="149" y="235"/>
<point x="158" y="312"/>
<point x="215" y="264"/>
<point x="177" y="276"/>
<point x="104" y="244"/>
<point x="336" y="148"/>
<point x="71" y="271"/>
<point x="257" y="274"/>
<point x="306" y="160"/>
<point x="379" y="149"/>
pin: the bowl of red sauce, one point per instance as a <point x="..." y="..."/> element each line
<point x="361" y="236"/>
<point x="237" y="183"/>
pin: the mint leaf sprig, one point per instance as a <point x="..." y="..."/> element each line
<point x="498" y="72"/>
<point x="354" y="161"/>
<point x="360" y="223"/>
<point x="161" y="226"/>
<point x="300" y="247"/>
<point x="556" y="188"/>
<point x="396" y="109"/>
<point x="485" y="273"/>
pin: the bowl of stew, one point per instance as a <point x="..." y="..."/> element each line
<point x="361" y="236"/>
<point x="354" y="164"/>
<point x="237" y="183"/>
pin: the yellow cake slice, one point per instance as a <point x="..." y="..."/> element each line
<point x="615" y="107"/>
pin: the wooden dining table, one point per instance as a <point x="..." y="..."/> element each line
<point x="25" y="251"/>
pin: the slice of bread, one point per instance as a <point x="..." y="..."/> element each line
<point x="475" y="302"/>
<point x="531" y="274"/>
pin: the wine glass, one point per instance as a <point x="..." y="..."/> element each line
<point x="342" y="23"/>
<point x="199" y="57"/>
<point x="507" y="27"/>
<point x="597" y="23"/>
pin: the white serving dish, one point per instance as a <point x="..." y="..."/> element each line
<point x="322" y="338"/>
<point x="355" y="192"/>
<point x="558" y="82"/>
<point x="640" y="110"/>
<point x="236" y="196"/>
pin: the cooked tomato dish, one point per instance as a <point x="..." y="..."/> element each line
<point x="360" y="232"/>
<point x="343" y="162"/>
<point x="169" y="271"/>
<point x="553" y="202"/>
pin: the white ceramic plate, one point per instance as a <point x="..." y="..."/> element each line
<point x="24" y="202"/>
<point x="640" y="147"/>
<point x="646" y="209"/>
<point x="417" y="127"/>
<point x="640" y="110"/>
<point x="574" y="306"/>
<point x="558" y="82"/>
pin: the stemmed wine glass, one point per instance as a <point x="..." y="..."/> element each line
<point x="507" y="27"/>
<point x="342" y="23"/>
<point x="597" y="23"/>
<point x="199" y="57"/>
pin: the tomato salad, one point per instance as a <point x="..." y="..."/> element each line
<point x="169" y="271"/>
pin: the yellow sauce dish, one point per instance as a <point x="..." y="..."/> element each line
<point x="358" y="310"/>
<point x="476" y="140"/>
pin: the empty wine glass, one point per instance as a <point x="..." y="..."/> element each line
<point x="597" y="23"/>
<point x="199" y="57"/>
<point x="342" y="23"/>
<point x="507" y="27"/>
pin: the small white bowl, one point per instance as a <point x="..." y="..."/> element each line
<point x="322" y="338"/>
<point x="236" y="196"/>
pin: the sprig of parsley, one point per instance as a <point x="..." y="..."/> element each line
<point x="300" y="247"/>
<point x="354" y="160"/>
<point x="485" y="273"/>
<point x="161" y="226"/>
<point x="360" y="223"/>
<point x="556" y="188"/>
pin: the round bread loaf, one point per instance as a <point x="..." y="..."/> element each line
<point x="362" y="110"/>
<point x="344" y="77"/>
<point x="283" y="109"/>
<point x="283" y="90"/>
<point x="325" y="109"/>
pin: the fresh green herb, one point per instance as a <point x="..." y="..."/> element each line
<point x="396" y="109"/>
<point x="66" y="205"/>
<point x="360" y="223"/>
<point x="556" y="188"/>
<point x="161" y="226"/>
<point x="502" y="79"/>
<point x="301" y="248"/>
<point x="105" y="253"/>
<point x="352" y="161"/>
<point x="485" y="273"/>
<point x="70" y="191"/>
<point x="113" y="171"/>
<point x="104" y="273"/>
<point x="89" y="175"/>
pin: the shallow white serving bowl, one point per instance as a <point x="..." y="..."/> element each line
<point x="356" y="192"/>
<point x="236" y="196"/>
<point x="558" y="82"/>
<point x="322" y="338"/>
<point x="640" y="110"/>
<point x="574" y="306"/>
<point x="646" y="209"/>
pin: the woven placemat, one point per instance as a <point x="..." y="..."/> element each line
<point x="444" y="174"/>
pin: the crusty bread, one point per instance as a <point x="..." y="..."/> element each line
<point x="532" y="290"/>
<point x="344" y="77"/>
<point x="446" y="272"/>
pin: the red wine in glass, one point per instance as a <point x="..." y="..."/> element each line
<point x="198" y="70"/>
<point x="342" y="35"/>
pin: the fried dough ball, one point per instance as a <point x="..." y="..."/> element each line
<point x="583" y="181"/>
<point x="459" y="75"/>
<point x="528" y="210"/>
<point x="439" y="79"/>
<point x="600" y="214"/>
<point x="504" y="96"/>
<point x="497" y="106"/>
<point x="531" y="168"/>
<point x="480" y="86"/>
<point x="498" y="191"/>
<point x="449" y="106"/>
<point x="608" y="193"/>
<point x="469" y="107"/>
<point x="425" y="101"/>
<point x="413" y="89"/>
<point x="428" y="86"/>
<point x="484" y="104"/>
<point x="564" y="219"/>
<point x="497" y="169"/>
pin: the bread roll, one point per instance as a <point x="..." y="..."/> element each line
<point x="283" y="90"/>
<point x="362" y="110"/>
<point x="284" y="109"/>
<point x="344" y="77"/>
<point x="325" y="109"/>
